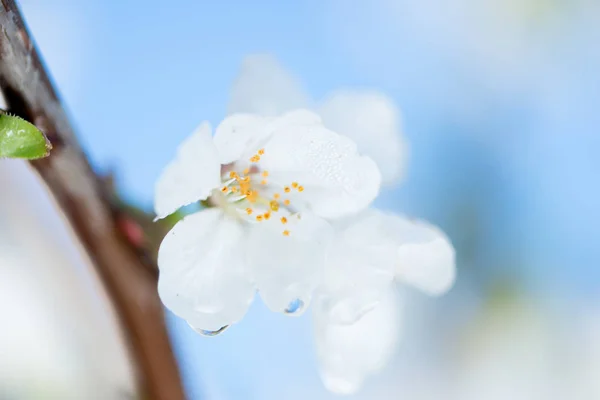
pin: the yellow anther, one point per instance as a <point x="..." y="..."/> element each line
<point x="248" y="211"/>
<point x="286" y="233"/>
<point x="286" y="189"/>
<point x="263" y="182"/>
<point x="265" y="173"/>
<point x="301" y="188"/>
<point x="224" y="189"/>
<point x="255" y="158"/>
<point x="246" y="171"/>
<point x="274" y="205"/>
<point x="283" y="220"/>
<point x="252" y="196"/>
<point x="294" y="185"/>
<point x="246" y="179"/>
<point x="233" y="174"/>
<point x="267" y="215"/>
<point x="234" y="189"/>
<point x="261" y="151"/>
<point x="276" y="196"/>
<point x="259" y="217"/>
<point x="286" y="202"/>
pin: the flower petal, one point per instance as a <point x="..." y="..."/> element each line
<point x="372" y="120"/>
<point x="288" y="268"/>
<point x="265" y="87"/>
<point x="240" y="136"/>
<point x="203" y="277"/>
<point x="359" y="270"/>
<point x="349" y="353"/>
<point x="191" y="176"/>
<point x="426" y="258"/>
<point x="237" y="133"/>
<point x="336" y="179"/>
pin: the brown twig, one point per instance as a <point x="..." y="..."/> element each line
<point x="129" y="278"/>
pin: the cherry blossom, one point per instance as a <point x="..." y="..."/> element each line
<point x="269" y="184"/>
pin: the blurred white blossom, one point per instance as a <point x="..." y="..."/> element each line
<point x="368" y="117"/>
<point x="511" y="354"/>
<point x="356" y="319"/>
<point x="348" y="353"/>
<point x="60" y="336"/>
<point x="270" y="182"/>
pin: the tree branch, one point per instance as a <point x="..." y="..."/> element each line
<point x="130" y="278"/>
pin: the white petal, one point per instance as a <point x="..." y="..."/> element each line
<point x="359" y="270"/>
<point x="237" y="133"/>
<point x="372" y="120"/>
<point x="191" y="176"/>
<point x="355" y="279"/>
<point x="240" y="136"/>
<point x="337" y="180"/>
<point x="265" y="87"/>
<point x="349" y="353"/>
<point x="203" y="277"/>
<point x="288" y="268"/>
<point x="426" y="258"/>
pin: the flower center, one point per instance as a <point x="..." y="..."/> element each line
<point x="247" y="194"/>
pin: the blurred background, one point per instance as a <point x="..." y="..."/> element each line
<point x="500" y="103"/>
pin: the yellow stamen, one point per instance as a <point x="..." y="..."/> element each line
<point x="252" y="196"/>
<point x="283" y="220"/>
<point x="233" y="174"/>
<point x="259" y="217"/>
<point x="286" y="233"/>
<point x="224" y="189"/>
<point x="263" y="182"/>
<point x="274" y="205"/>
<point x="267" y="215"/>
<point x="286" y="202"/>
<point x="246" y="171"/>
<point x="261" y="151"/>
<point x="265" y="173"/>
<point x="286" y="189"/>
<point x="294" y="185"/>
<point x="301" y="188"/>
<point x="276" y="196"/>
<point x="248" y="211"/>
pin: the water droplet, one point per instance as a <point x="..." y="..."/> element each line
<point x="205" y="332"/>
<point x="296" y="306"/>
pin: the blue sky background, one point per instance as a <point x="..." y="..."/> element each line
<point x="500" y="107"/>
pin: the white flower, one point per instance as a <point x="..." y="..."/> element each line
<point x="356" y="327"/>
<point x="369" y="118"/>
<point x="270" y="182"/>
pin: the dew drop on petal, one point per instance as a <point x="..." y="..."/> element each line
<point x="295" y="307"/>
<point x="205" y="332"/>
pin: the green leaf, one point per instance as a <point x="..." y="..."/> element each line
<point x="21" y="139"/>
